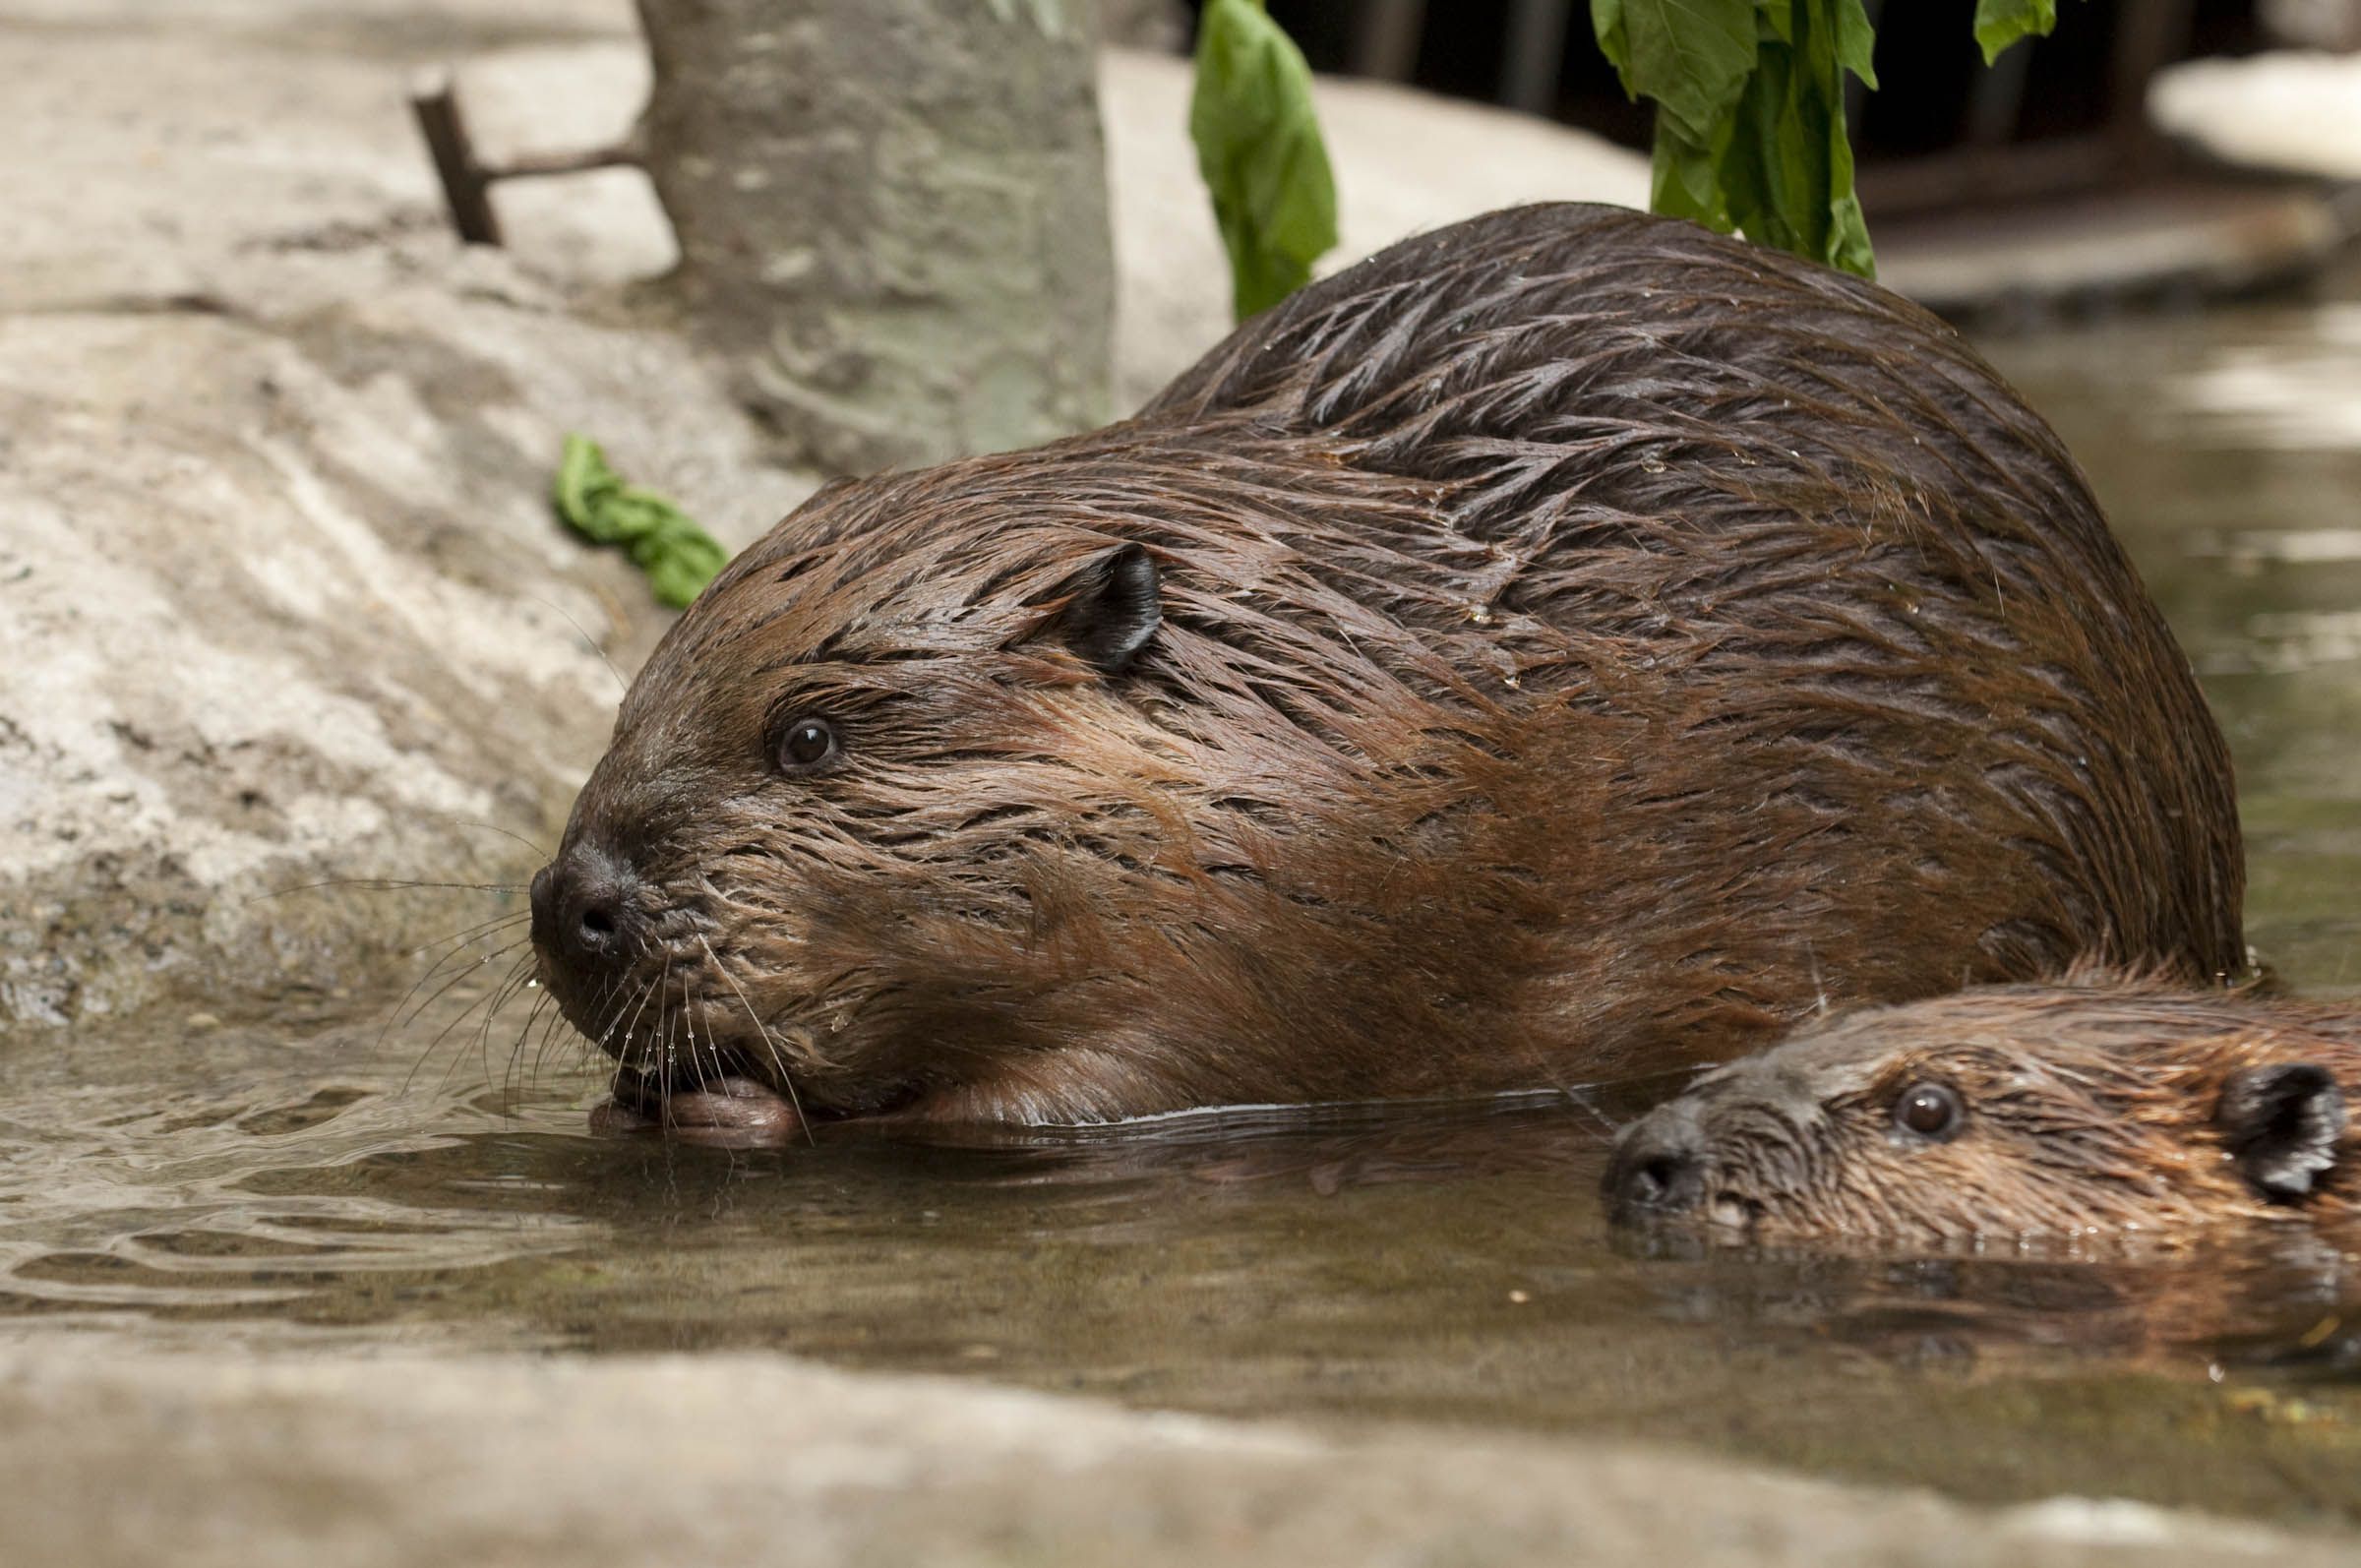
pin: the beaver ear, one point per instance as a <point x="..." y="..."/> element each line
<point x="1112" y="608"/>
<point x="2280" y="1124"/>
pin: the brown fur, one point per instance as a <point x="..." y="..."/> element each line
<point x="2092" y="1108"/>
<point x="1587" y="644"/>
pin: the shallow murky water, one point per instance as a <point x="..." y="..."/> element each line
<point x="320" y="1184"/>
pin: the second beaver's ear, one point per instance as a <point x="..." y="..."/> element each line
<point x="2280" y="1123"/>
<point x="1111" y="610"/>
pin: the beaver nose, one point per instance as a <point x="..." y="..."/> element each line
<point x="1659" y="1168"/>
<point x="582" y="909"/>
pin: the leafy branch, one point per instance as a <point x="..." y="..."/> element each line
<point x="1259" y="148"/>
<point x="1749" y="98"/>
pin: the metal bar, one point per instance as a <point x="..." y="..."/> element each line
<point x="1385" y="43"/>
<point x="1536" y="55"/>
<point x="1997" y="101"/>
<point x="2149" y="35"/>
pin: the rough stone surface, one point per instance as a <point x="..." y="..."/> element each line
<point x="932" y="273"/>
<point x="194" y="1461"/>
<point x="280" y="597"/>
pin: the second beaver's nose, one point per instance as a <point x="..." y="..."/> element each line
<point x="1659" y="1168"/>
<point x="583" y="908"/>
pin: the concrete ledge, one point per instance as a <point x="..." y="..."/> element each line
<point x="138" y="1460"/>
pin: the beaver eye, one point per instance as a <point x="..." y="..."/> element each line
<point x="1929" y="1110"/>
<point x="806" y="744"/>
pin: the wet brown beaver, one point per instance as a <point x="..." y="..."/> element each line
<point x="1565" y="643"/>
<point x="2101" y="1106"/>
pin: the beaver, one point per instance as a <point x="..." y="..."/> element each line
<point x="2103" y="1106"/>
<point x="1565" y="644"/>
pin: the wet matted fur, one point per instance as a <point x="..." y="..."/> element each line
<point x="1566" y="644"/>
<point x="2105" y="1106"/>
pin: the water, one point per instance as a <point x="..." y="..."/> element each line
<point x="314" y="1184"/>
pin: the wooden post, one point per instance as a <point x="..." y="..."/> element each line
<point x="466" y="185"/>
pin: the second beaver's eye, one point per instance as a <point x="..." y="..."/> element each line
<point x="1929" y="1110"/>
<point x="806" y="744"/>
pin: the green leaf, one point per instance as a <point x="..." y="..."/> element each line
<point x="663" y="541"/>
<point x="1259" y="148"/>
<point x="1787" y="176"/>
<point x="1688" y="182"/>
<point x="1691" y="56"/>
<point x="1753" y="138"/>
<point x="1857" y="40"/>
<point x="2001" y="23"/>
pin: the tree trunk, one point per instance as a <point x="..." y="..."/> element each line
<point x="892" y="217"/>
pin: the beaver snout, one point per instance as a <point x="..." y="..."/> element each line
<point x="1658" y="1168"/>
<point x="584" y="918"/>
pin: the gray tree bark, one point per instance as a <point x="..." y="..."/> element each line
<point x="892" y="217"/>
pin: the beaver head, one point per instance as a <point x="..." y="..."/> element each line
<point x="997" y="779"/>
<point x="2016" y="1114"/>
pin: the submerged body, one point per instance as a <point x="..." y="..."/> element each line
<point x="1563" y="645"/>
<point x="2105" y="1106"/>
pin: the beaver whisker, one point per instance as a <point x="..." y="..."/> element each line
<point x="723" y="1062"/>
<point x="483" y="1004"/>
<point x="585" y="1045"/>
<point x="647" y="992"/>
<point x="550" y="1016"/>
<point x="612" y="988"/>
<point x="526" y="959"/>
<point x="512" y="1081"/>
<point x="637" y="1002"/>
<point x="763" y="1033"/>
<point x="685" y="1014"/>
<point x="467" y="934"/>
<point x="519" y="976"/>
<point x="668" y="1028"/>
<point x="512" y="1074"/>
<point x="687" y="1021"/>
<point x="385" y="884"/>
<point x="541" y="850"/>
<point x="459" y="944"/>
<point x="1579" y="1098"/>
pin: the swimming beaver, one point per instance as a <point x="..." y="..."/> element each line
<point x="2104" y="1104"/>
<point x="1567" y="643"/>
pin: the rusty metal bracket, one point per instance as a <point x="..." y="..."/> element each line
<point x="468" y="179"/>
